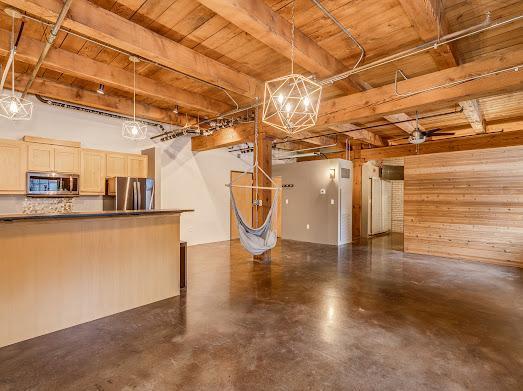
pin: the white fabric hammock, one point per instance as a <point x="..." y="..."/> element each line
<point x="257" y="240"/>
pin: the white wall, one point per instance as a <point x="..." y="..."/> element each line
<point x="92" y="130"/>
<point x="197" y="181"/>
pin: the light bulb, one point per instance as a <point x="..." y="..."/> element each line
<point x="280" y="99"/>
<point x="306" y="102"/>
<point x="134" y="130"/>
<point x="13" y="107"/>
<point x="288" y="107"/>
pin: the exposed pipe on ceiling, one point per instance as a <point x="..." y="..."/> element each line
<point x="49" y="42"/>
<point x="328" y="14"/>
<point x="434" y="44"/>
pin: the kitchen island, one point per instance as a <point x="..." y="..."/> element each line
<point x="58" y="271"/>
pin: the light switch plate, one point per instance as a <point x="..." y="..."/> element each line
<point x="332" y="202"/>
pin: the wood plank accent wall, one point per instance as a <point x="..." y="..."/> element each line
<point x="466" y="204"/>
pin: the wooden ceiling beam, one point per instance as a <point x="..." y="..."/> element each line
<point x="85" y="98"/>
<point x="104" y="26"/>
<point x="381" y="101"/>
<point x="83" y="67"/>
<point x="428" y="20"/>
<point x="362" y="135"/>
<point x="480" y="141"/>
<point x="259" y="20"/>
<point x="222" y="138"/>
<point x="473" y="112"/>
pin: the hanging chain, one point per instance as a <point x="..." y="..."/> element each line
<point x="292" y="37"/>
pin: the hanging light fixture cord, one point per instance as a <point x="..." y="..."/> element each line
<point x="13" y="51"/>
<point x="134" y="91"/>
<point x="292" y="36"/>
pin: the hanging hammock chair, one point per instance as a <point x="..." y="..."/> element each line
<point x="257" y="240"/>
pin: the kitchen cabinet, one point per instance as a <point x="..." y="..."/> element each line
<point x="93" y="172"/>
<point x="117" y="164"/>
<point x="67" y="160"/>
<point x="13" y="166"/>
<point x="40" y="157"/>
<point x="137" y="166"/>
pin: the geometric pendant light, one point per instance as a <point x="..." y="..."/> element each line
<point x="291" y="103"/>
<point x="134" y="130"/>
<point x="11" y="106"/>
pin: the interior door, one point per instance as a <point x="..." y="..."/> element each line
<point x="243" y="197"/>
<point x="386" y="206"/>
<point x="376" y="205"/>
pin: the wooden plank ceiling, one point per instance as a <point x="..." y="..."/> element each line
<point x="236" y="52"/>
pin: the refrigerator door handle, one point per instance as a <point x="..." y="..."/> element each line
<point x="139" y="198"/>
<point x="135" y="196"/>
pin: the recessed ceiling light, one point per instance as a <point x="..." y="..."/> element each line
<point x="101" y="89"/>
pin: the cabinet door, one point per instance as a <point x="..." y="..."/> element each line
<point x="137" y="166"/>
<point x="92" y="177"/>
<point x="13" y="166"/>
<point x="40" y="157"/>
<point x="116" y="164"/>
<point x="67" y="160"/>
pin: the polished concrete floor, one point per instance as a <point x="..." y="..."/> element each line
<point x="318" y="318"/>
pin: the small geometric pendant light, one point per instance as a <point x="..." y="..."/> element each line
<point x="134" y="130"/>
<point x="291" y="103"/>
<point x="11" y="106"/>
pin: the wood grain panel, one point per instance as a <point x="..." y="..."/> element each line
<point x="466" y="204"/>
<point x="60" y="273"/>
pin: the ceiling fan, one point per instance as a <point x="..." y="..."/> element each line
<point x="419" y="136"/>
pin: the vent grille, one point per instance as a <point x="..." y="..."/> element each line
<point x="345" y="173"/>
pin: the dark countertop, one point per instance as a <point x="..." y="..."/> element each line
<point x="84" y="215"/>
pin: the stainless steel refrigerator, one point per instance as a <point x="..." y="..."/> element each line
<point x="124" y="193"/>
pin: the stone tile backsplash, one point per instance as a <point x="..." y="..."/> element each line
<point x="47" y="205"/>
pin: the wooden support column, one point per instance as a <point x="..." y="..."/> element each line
<point x="356" y="193"/>
<point x="264" y="154"/>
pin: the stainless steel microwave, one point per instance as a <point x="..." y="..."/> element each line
<point x="52" y="184"/>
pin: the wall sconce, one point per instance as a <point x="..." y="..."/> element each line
<point x="332" y="173"/>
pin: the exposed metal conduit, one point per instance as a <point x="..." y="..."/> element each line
<point x="434" y="44"/>
<point x="49" y="42"/>
<point x="328" y="14"/>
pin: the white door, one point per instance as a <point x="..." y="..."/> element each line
<point x="386" y="205"/>
<point x="376" y="220"/>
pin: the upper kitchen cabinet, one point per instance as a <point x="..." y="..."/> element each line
<point x="67" y="160"/>
<point x="93" y="172"/>
<point x="137" y="166"/>
<point x="40" y="157"/>
<point x="117" y="164"/>
<point x="124" y="164"/>
<point x="13" y="166"/>
<point x="52" y="155"/>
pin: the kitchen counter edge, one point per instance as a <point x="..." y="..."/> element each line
<point x="84" y="215"/>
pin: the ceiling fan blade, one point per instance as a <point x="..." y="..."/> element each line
<point x="444" y="134"/>
<point x="431" y="131"/>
